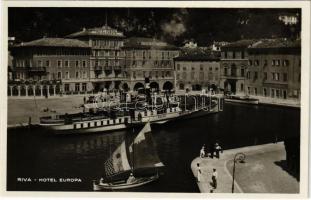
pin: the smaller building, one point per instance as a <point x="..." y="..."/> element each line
<point x="149" y="58"/>
<point x="274" y="69"/>
<point x="197" y="71"/>
<point x="233" y="64"/>
<point x="50" y="65"/>
<point x="289" y="18"/>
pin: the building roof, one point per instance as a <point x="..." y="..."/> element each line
<point x="147" y="43"/>
<point x="54" y="42"/>
<point x="197" y="54"/>
<point x="276" y="43"/>
<point x="239" y="44"/>
<point x="197" y="57"/>
<point x="104" y="31"/>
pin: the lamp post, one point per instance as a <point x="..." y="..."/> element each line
<point x="239" y="157"/>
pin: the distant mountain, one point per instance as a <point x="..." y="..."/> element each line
<point x="172" y="25"/>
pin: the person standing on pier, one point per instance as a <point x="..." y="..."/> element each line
<point x="198" y="173"/>
<point x="217" y="150"/>
<point x="214" y="178"/>
<point x="202" y="151"/>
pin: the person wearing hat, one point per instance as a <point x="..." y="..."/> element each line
<point x="214" y="178"/>
<point x="131" y="178"/>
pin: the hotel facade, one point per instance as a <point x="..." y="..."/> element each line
<point x="88" y="61"/>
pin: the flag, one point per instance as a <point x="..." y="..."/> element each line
<point x="141" y="136"/>
<point x="118" y="161"/>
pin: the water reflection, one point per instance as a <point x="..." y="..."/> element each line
<point x="33" y="153"/>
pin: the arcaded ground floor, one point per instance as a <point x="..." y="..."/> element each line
<point x="87" y="87"/>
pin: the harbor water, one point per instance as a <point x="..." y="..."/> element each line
<point x="75" y="160"/>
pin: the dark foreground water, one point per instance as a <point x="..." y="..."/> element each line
<point x="35" y="154"/>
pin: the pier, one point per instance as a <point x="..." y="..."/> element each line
<point x="262" y="171"/>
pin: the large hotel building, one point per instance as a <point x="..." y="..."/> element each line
<point x="106" y="59"/>
<point x="90" y="60"/>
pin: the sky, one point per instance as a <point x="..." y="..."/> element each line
<point x="173" y="25"/>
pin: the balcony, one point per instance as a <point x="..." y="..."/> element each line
<point x="37" y="69"/>
<point x="98" y="68"/>
<point x="232" y="76"/>
<point x="108" y="78"/>
<point x="117" y="68"/>
<point x="108" y="68"/>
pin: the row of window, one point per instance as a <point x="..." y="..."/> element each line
<point x="147" y="54"/>
<point x="151" y="73"/>
<point x="163" y="63"/>
<point x="273" y="62"/>
<point x="106" y="53"/>
<point x="274" y="92"/>
<point x="234" y="55"/>
<point x="194" y="68"/>
<point x="209" y="76"/>
<point x="97" y="63"/>
<point x="107" y="43"/>
<point x="275" y="76"/>
<point x="78" y="75"/>
<point x="62" y="52"/>
<point x="77" y="87"/>
<point x="62" y="63"/>
<point x="233" y="72"/>
<point x="22" y="63"/>
<point x="47" y="63"/>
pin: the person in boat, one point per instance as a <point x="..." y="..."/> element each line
<point x="131" y="178"/>
<point x="101" y="180"/>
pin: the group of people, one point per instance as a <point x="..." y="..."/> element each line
<point x="211" y="152"/>
<point x="214" y="176"/>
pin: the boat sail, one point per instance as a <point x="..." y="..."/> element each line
<point x="138" y="159"/>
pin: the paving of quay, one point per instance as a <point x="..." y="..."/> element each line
<point x="262" y="171"/>
<point x="19" y="110"/>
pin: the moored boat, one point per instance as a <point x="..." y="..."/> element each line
<point x="241" y="99"/>
<point x="84" y="123"/>
<point x="156" y="110"/>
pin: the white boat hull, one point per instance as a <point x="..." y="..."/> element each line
<point x="87" y="126"/>
<point x="255" y="101"/>
<point x="124" y="185"/>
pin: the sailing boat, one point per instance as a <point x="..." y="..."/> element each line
<point x="142" y="167"/>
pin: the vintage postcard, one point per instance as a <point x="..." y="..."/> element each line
<point x="150" y="99"/>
